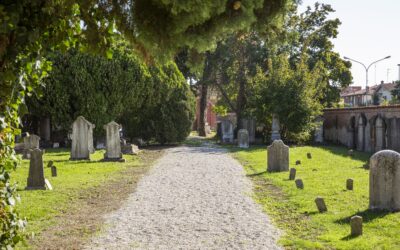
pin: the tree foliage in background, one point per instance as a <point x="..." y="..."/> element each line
<point x="151" y="103"/>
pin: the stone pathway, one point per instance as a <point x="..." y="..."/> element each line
<point x="193" y="198"/>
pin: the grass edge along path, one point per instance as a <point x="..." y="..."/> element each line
<point x="294" y="211"/>
<point x="83" y="192"/>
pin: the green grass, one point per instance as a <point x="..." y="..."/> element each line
<point x="295" y="212"/>
<point x="41" y="207"/>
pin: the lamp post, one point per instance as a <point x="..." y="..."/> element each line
<point x="366" y="68"/>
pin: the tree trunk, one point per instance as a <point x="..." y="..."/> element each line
<point x="201" y="129"/>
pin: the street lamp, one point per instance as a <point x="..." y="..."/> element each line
<point x="366" y="68"/>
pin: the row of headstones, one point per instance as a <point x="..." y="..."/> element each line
<point x="384" y="184"/>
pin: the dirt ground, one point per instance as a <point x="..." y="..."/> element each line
<point x="73" y="228"/>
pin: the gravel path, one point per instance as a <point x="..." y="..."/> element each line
<point x="193" y="198"/>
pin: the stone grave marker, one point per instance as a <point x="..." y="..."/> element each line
<point x="309" y="155"/>
<point x="275" y="133"/>
<point x="350" y="152"/>
<point x="113" y="142"/>
<point x="299" y="183"/>
<point x="50" y="164"/>
<point x="30" y="142"/>
<point x="292" y="174"/>
<point x="298" y="162"/>
<point x="356" y="225"/>
<point x="56" y="145"/>
<point x="130" y="149"/>
<point x="82" y="139"/>
<point x="48" y="184"/>
<point x="384" y="181"/>
<point x="227" y="131"/>
<point x="54" y="171"/>
<point x="36" y="172"/>
<point x="278" y="157"/>
<point x="349" y="184"/>
<point x="319" y="201"/>
<point x="243" y="138"/>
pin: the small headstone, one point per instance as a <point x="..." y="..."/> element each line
<point x="384" y="181"/>
<point x="36" y="171"/>
<point x="243" y="138"/>
<point x="356" y="225"/>
<point x="298" y="162"/>
<point x="350" y="152"/>
<point x="227" y="131"/>
<point x="54" y="171"/>
<point x="299" y="183"/>
<point x="292" y="174"/>
<point x="30" y="142"/>
<point x="319" y="201"/>
<point x="278" y="157"/>
<point x="100" y="145"/>
<point x="48" y="184"/>
<point x="56" y="145"/>
<point x="50" y="164"/>
<point x="309" y="155"/>
<point x="113" y="142"/>
<point x="349" y="184"/>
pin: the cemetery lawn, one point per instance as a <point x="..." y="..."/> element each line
<point x="82" y="192"/>
<point x="294" y="210"/>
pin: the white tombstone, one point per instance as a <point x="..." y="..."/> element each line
<point x="319" y="131"/>
<point x="384" y="181"/>
<point x="243" y="138"/>
<point x="82" y="139"/>
<point x="113" y="143"/>
<point x="227" y="131"/>
<point x="30" y="142"/>
<point x="275" y="134"/>
<point x="278" y="157"/>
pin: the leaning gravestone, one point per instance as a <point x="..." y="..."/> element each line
<point x="54" y="171"/>
<point x="384" y="181"/>
<point x="36" y="173"/>
<point x="299" y="183"/>
<point x="82" y="139"/>
<point x="278" y="157"/>
<point x="319" y="201"/>
<point x="113" y="142"/>
<point x="243" y="138"/>
<point x="30" y="142"/>
<point x="292" y="174"/>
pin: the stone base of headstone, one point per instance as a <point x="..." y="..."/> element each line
<point x="130" y="149"/>
<point x="113" y="159"/>
<point x="275" y="135"/>
<point x="80" y="159"/>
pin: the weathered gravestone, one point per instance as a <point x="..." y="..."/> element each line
<point x="113" y="142"/>
<point x="298" y="162"/>
<point x="350" y="152"/>
<point x="319" y="201"/>
<point x="130" y="149"/>
<point x="243" y="138"/>
<point x="384" y="181"/>
<point x="275" y="134"/>
<point x="50" y="164"/>
<point x="309" y="155"/>
<point x="278" y="157"/>
<point x="227" y="131"/>
<point x="349" y="184"/>
<point x="82" y="139"/>
<point x="356" y="225"/>
<point x="299" y="183"/>
<point x="54" y="171"/>
<point x="292" y="174"/>
<point x="36" y="172"/>
<point x="30" y="142"/>
<point x="250" y="125"/>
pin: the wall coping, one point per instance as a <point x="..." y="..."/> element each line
<point x="396" y="106"/>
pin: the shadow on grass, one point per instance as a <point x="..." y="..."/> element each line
<point x="256" y="174"/>
<point x="343" y="151"/>
<point x="350" y="237"/>
<point x="367" y="215"/>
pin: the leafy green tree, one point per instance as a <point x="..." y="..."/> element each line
<point x="157" y="28"/>
<point x="396" y="92"/>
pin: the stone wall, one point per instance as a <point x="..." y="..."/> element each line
<point x="368" y="129"/>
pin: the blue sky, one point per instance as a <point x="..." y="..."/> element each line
<point x="370" y="30"/>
